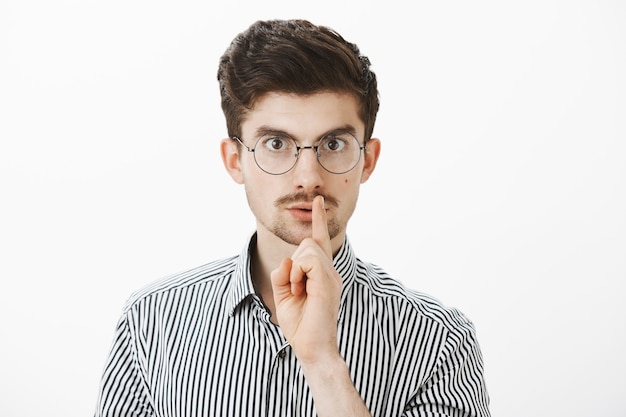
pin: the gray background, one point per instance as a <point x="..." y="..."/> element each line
<point x="500" y="189"/>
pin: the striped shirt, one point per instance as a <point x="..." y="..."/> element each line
<point x="201" y="343"/>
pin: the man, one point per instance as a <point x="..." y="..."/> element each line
<point x="295" y="325"/>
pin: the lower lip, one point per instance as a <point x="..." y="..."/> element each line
<point x="301" y="215"/>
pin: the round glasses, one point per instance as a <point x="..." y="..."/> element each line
<point x="275" y="154"/>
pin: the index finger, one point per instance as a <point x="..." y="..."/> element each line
<point x="320" y="226"/>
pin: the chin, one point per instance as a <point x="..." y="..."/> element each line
<point x="291" y="237"/>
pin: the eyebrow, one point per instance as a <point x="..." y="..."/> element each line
<point x="269" y="130"/>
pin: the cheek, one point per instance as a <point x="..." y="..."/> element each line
<point x="347" y="187"/>
<point x="261" y="186"/>
<point x="351" y="180"/>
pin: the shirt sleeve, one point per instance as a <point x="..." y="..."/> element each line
<point x="456" y="387"/>
<point x="123" y="391"/>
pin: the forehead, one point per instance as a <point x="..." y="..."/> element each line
<point x="303" y="116"/>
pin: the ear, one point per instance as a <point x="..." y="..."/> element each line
<point x="230" y="158"/>
<point x="371" y="158"/>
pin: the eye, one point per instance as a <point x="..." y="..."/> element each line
<point x="276" y="144"/>
<point x="333" y="144"/>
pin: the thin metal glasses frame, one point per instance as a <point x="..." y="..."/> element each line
<point x="297" y="156"/>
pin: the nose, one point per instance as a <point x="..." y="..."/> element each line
<point x="307" y="172"/>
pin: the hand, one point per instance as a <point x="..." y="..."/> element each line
<point x="307" y="290"/>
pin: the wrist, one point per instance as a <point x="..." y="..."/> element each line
<point x="322" y="360"/>
<point x="332" y="387"/>
<point x="324" y="354"/>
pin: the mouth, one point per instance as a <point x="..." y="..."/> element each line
<point x="301" y="212"/>
<point x="301" y="207"/>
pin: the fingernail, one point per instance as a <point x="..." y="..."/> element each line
<point x="323" y="203"/>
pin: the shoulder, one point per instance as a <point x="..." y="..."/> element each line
<point x="408" y="301"/>
<point x="216" y="273"/>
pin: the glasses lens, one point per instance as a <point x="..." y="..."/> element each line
<point x="275" y="154"/>
<point x="338" y="153"/>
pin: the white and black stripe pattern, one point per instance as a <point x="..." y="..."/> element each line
<point x="201" y="343"/>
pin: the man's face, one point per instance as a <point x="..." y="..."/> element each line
<point x="282" y="203"/>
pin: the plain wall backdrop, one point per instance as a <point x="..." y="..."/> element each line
<point x="501" y="187"/>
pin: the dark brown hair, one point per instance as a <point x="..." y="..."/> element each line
<point x="293" y="56"/>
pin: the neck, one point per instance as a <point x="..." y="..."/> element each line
<point x="266" y="256"/>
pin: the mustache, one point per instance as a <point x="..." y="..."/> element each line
<point x="304" y="198"/>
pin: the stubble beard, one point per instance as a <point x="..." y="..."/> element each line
<point x="292" y="233"/>
<point x="295" y="235"/>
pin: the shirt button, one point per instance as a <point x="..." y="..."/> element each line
<point x="282" y="354"/>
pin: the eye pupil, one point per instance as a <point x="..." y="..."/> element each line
<point x="333" y="145"/>
<point x="276" y="143"/>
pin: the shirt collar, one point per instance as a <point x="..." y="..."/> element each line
<point x="242" y="287"/>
